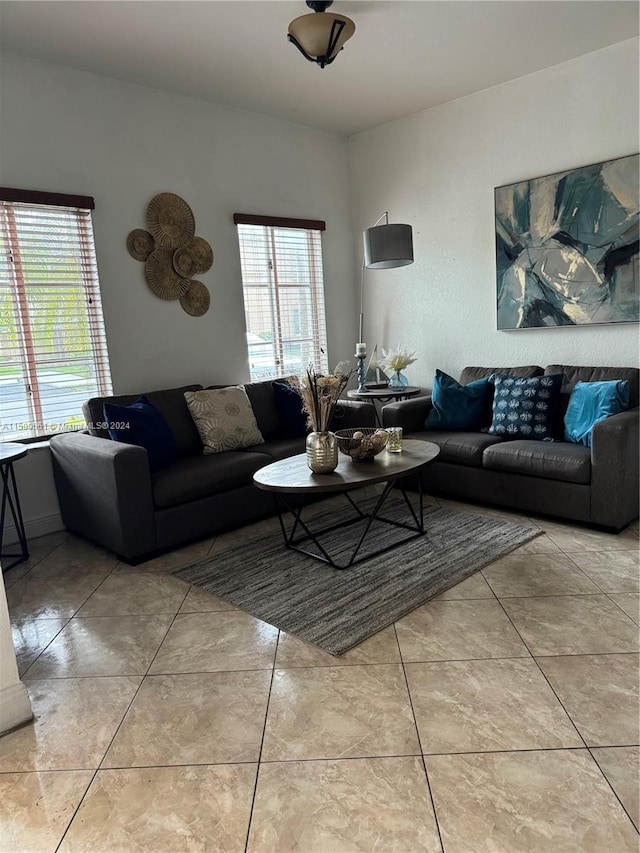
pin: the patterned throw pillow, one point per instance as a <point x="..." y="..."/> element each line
<point x="224" y="418"/>
<point x="525" y="407"/>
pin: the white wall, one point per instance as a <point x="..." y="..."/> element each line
<point x="70" y="131"/>
<point x="437" y="171"/>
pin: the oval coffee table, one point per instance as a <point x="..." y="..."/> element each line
<point x="291" y="477"/>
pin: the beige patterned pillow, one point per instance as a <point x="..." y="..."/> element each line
<point x="224" y="418"/>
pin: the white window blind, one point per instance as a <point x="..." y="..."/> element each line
<point x="53" y="353"/>
<point x="283" y="295"/>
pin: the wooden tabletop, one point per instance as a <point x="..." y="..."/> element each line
<point x="10" y="451"/>
<point x="386" y="393"/>
<point x="293" y="474"/>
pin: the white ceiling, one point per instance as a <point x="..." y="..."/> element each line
<point x="405" y="56"/>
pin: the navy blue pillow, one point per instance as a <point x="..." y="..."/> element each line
<point x="292" y="419"/>
<point x="456" y="406"/>
<point x="143" y="425"/>
<point x="525" y="407"/>
<point x="591" y="402"/>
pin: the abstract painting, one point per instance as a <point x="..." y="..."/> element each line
<point x="567" y="247"/>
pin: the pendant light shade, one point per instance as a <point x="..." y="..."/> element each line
<point x="388" y="246"/>
<point x="321" y="36"/>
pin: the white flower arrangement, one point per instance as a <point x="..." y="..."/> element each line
<point x="397" y="359"/>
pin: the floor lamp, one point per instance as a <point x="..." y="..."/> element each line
<point x="385" y="247"/>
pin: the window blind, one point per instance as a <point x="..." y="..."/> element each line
<point x="53" y="351"/>
<point x="283" y="288"/>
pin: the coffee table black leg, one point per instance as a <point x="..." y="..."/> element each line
<point x="384" y="494"/>
<point x="11" y="499"/>
<point x="296" y="514"/>
<point x="419" y="518"/>
<point x="324" y="556"/>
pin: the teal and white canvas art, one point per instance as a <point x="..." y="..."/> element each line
<point x="567" y="247"/>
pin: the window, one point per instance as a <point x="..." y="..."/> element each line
<point x="281" y="262"/>
<point x="53" y="353"/>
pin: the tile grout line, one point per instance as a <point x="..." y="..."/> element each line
<point x="118" y="727"/>
<point x="68" y="618"/>
<point x="543" y="673"/>
<point x="422" y="758"/>
<point x="593" y="581"/>
<point x="313" y="760"/>
<point x="624" y="808"/>
<point x="264" y="730"/>
<point x="569" y="717"/>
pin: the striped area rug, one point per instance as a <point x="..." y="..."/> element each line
<point x="336" y="610"/>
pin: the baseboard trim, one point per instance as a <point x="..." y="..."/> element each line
<point x="34" y="527"/>
<point x="15" y="707"/>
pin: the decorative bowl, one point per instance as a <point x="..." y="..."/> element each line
<point x="361" y="444"/>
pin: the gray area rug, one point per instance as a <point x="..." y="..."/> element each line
<point x="336" y="610"/>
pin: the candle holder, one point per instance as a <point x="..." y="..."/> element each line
<point x="362" y="373"/>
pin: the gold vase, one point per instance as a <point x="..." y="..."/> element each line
<point x="322" y="452"/>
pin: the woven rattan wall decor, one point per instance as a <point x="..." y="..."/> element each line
<point x="172" y="254"/>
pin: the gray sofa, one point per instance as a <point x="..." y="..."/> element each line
<point x="596" y="485"/>
<point x="108" y="494"/>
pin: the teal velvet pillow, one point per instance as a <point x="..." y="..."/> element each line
<point x="526" y="407"/>
<point x="591" y="402"/>
<point x="143" y="425"/>
<point x="456" y="406"/>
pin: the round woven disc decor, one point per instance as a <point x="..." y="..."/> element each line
<point x="195" y="257"/>
<point x="140" y="244"/>
<point x="161" y="277"/>
<point x="170" y="220"/>
<point x="196" y="300"/>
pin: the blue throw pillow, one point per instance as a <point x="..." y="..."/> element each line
<point x="525" y="407"/>
<point x="143" y="425"/>
<point x="292" y="419"/>
<point x="591" y="402"/>
<point x="456" y="406"/>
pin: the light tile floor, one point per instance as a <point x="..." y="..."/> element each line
<point x="501" y="717"/>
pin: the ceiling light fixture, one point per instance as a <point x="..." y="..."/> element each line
<point x="321" y="36"/>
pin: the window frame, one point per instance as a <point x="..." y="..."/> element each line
<point x="318" y="338"/>
<point x="30" y="362"/>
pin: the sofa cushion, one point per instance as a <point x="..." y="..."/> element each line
<point x="462" y="448"/>
<point x="557" y="460"/>
<point x="171" y="405"/>
<point x="591" y="402"/>
<point x="291" y="416"/>
<point x="144" y="426"/>
<point x="469" y="374"/>
<point x="456" y="406"/>
<point x="201" y="476"/>
<point x="279" y="448"/>
<point x="573" y="374"/>
<point x="264" y="407"/>
<point x="526" y="408"/>
<point x="224" y="418"/>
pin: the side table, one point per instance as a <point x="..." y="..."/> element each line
<point x="383" y="395"/>
<point x="9" y="453"/>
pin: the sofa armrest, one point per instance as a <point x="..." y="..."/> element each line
<point x="614" y="469"/>
<point x="408" y="414"/>
<point x="104" y="488"/>
<point x="353" y="413"/>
